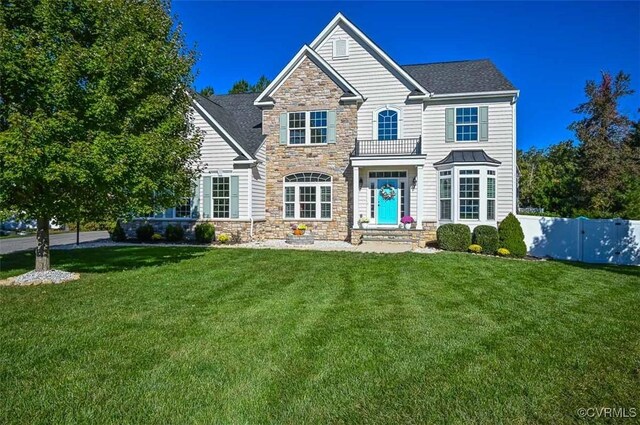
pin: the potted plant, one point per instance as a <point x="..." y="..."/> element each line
<point x="407" y="221"/>
<point x="363" y="222"/>
<point x="299" y="229"/>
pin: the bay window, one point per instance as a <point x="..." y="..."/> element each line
<point x="491" y="195"/>
<point x="307" y="196"/>
<point x="445" y="195"/>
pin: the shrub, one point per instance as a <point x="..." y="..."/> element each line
<point x="205" y="232"/>
<point x="487" y="238"/>
<point x="476" y="249"/>
<point x="144" y="232"/>
<point x="503" y="252"/>
<point x="156" y="237"/>
<point x="454" y="237"/>
<point x="224" y="238"/>
<point x="174" y="233"/>
<point x="118" y="234"/>
<point x="511" y="236"/>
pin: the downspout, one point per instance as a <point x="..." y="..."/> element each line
<point x="250" y="200"/>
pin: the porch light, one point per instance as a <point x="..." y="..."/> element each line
<point x="361" y="183"/>
<point x="415" y="181"/>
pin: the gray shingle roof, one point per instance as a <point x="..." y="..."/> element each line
<point x="238" y="116"/>
<point x="470" y="76"/>
<point x="471" y="156"/>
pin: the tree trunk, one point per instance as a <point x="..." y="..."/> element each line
<point x="42" y="247"/>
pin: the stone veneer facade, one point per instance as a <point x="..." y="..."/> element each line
<point x="308" y="88"/>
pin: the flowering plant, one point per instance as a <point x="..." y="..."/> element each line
<point x="302" y="227"/>
<point x="363" y="220"/>
<point x="407" y="219"/>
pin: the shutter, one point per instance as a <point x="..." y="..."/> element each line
<point x="234" y="202"/>
<point x="195" y="199"/>
<point x="484" y="123"/>
<point x="283" y="128"/>
<point x="331" y="126"/>
<point x="206" y="197"/>
<point x="450" y="126"/>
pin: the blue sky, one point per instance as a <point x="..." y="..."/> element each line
<point x="547" y="49"/>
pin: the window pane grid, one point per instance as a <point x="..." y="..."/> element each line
<point x="184" y="209"/>
<point x="220" y="197"/>
<point x="307" y="201"/>
<point x="469" y="192"/>
<point x="297" y="128"/>
<point x="388" y="125"/>
<point x="445" y="196"/>
<point x="466" y="124"/>
<point x="318" y="122"/>
<point x="307" y="177"/>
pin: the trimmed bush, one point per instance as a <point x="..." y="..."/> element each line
<point x="454" y="237"/>
<point x="224" y="238"/>
<point x="144" y="232"/>
<point x="511" y="236"/>
<point x="487" y="238"/>
<point x="156" y="237"/>
<point x="205" y="232"/>
<point x="503" y="252"/>
<point x="117" y="233"/>
<point x="174" y="233"/>
<point x="476" y="249"/>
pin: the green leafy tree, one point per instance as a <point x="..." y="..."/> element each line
<point x="93" y="111"/>
<point x="260" y="85"/>
<point x="207" y="91"/>
<point x="241" y="86"/>
<point x="604" y="134"/>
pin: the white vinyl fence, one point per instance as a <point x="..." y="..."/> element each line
<point x="614" y="241"/>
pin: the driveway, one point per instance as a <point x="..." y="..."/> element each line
<point x="29" y="242"/>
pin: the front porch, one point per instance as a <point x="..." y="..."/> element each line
<point x="418" y="238"/>
<point x="388" y="183"/>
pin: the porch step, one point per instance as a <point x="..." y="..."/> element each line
<point x="386" y="238"/>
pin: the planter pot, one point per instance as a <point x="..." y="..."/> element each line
<point x="364" y="225"/>
<point x="298" y="232"/>
<point x="407" y="226"/>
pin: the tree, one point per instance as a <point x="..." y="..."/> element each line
<point x="207" y="91"/>
<point x="604" y="133"/>
<point x="93" y="111"/>
<point x="241" y="86"/>
<point x="262" y="84"/>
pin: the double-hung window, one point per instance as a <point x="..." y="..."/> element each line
<point x="469" y="194"/>
<point x="467" y="124"/>
<point x="445" y="195"/>
<point x="307" y="128"/>
<point x="184" y="209"/>
<point x="491" y="195"/>
<point x="220" y="197"/>
<point x="307" y="196"/>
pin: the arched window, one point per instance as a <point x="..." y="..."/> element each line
<point x="307" y="196"/>
<point x="387" y="125"/>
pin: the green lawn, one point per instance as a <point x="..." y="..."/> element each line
<point x="189" y="335"/>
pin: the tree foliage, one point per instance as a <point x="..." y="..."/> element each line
<point x="600" y="175"/>
<point x="93" y="109"/>
<point x="207" y="91"/>
<point x="243" y="86"/>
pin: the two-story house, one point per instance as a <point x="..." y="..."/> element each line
<point x="343" y="132"/>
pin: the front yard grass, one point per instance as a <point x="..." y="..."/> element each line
<point x="194" y="335"/>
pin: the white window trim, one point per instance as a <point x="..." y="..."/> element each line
<point x="296" y="204"/>
<point x="307" y="128"/>
<point x="220" y="176"/>
<point x="335" y="48"/>
<point x="374" y="126"/>
<point x="451" y="197"/>
<point x="455" y="124"/>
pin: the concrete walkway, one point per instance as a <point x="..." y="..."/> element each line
<point x="25" y="243"/>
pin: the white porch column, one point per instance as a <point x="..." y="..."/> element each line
<point x="420" y="195"/>
<point x="356" y="190"/>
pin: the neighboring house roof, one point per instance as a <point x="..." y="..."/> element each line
<point x="237" y="115"/>
<point x="468" y="156"/>
<point x="470" y="76"/>
<point x="350" y="93"/>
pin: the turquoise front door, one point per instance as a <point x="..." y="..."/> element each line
<point x="387" y="203"/>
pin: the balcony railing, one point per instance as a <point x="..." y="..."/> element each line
<point x="395" y="147"/>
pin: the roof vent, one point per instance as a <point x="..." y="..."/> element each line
<point x="340" y="49"/>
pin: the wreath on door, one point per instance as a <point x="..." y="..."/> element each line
<point x="387" y="192"/>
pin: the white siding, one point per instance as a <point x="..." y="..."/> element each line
<point x="377" y="83"/>
<point x="258" y="184"/>
<point x="500" y="146"/>
<point x="216" y="158"/>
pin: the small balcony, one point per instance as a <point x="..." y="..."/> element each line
<point x="397" y="147"/>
